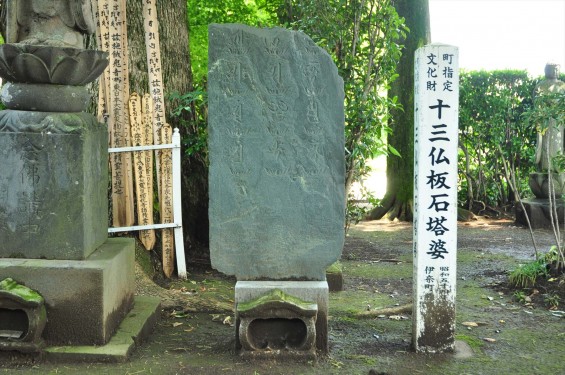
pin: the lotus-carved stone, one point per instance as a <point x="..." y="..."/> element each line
<point x="26" y="63"/>
<point x="539" y="184"/>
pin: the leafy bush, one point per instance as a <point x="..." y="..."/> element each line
<point x="491" y="107"/>
<point x="526" y="275"/>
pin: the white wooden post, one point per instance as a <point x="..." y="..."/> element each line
<point x="177" y="202"/>
<point x="177" y="206"/>
<point x="436" y="109"/>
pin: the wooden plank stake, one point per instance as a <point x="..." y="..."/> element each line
<point x="156" y="90"/>
<point x="103" y="39"/>
<point x="143" y="192"/>
<point x="167" y="202"/>
<point x="118" y="123"/>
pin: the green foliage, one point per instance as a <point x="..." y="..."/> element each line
<point x="526" y="275"/>
<point x="358" y="211"/>
<point x="520" y="296"/>
<point x="193" y="106"/>
<point x="490" y="119"/>
<point x="552" y="300"/>
<point x="545" y="107"/>
<point x="363" y="39"/>
<point x="201" y="13"/>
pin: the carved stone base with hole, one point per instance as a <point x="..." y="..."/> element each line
<point x="281" y="319"/>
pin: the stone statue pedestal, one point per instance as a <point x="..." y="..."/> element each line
<point x="54" y="236"/>
<point x="53" y="185"/>
<point x="85" y="299"/>
<point x="538" y="211"/>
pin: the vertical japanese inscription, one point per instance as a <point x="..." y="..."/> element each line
<point x="155" y="75"/>
<point x="435" y="196"/>
<point x="29" y="202"/>
<point x="113" y="37"/>
<point x="276" y="153"/>
<point x="167" y="202"/>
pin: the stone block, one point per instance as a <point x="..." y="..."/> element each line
<point x="314" y="292"/>
<point x="85" y="300"/>
<point x="276" y="141"/>
<point x="334" y="277"/>
<point x="539" y="213"/>
<point x="53" y="185"/>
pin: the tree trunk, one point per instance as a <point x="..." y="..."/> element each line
<point x="177" y="77"/>
<point x="398" y="200"/>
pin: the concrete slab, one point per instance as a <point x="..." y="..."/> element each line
<point x="313" y="291"/>
<point x="133" y="330"/>
<point x="85" y="300"/>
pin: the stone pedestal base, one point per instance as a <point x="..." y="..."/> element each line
<point x="294" y="325"/>
<point x="85" y="300"/>
<point x="53" y="185"/>
<point x="538" y="211"/>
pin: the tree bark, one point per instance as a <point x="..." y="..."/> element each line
<point x="398" y="200"/>
<point x="177" y="77"/>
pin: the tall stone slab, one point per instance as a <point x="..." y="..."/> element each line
<point x="436" y="98"/>
<point x="276" y="146"/>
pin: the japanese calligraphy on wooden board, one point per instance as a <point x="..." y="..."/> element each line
<point x="436" y="98"/>
<point x="113" y="38"/>
<point x="155" y="76"/>
<point x="142" y="161"/>
<point x="167" y="201"/>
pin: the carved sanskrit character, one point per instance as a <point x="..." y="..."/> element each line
<point x="59" y="23"/>
<point x="551" y="143"/>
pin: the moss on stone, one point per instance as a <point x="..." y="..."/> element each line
<point x="10" y="286"/>
<point x="276" y="296"/>
<point x="335" y="268"/>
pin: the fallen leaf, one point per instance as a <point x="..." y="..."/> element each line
<point x="228" y="321"/>
<point x="176" y="324"/>
<point x="470" y="324"/>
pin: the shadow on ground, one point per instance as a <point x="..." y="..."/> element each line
<point x="195" y="335"/>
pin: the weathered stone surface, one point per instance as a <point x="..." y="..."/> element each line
<point x="276" y="127"/>
<point x="315" y="292"/>
<point x="539" y="213"/>
<point x="45" y="98"/>
<point x="53" y="185"/>
<point x="85" y="300"/>
<point x="132" y="332"/>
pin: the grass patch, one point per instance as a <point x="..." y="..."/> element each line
<point x="474" y="342"/>
<point x="381" y="270"/>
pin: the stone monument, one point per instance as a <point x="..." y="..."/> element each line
<point x="53" y="184"/>
<point x="277" y="199"/>
<point x="550" y="143"/>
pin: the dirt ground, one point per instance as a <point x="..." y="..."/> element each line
<point x="196" y="336"/>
